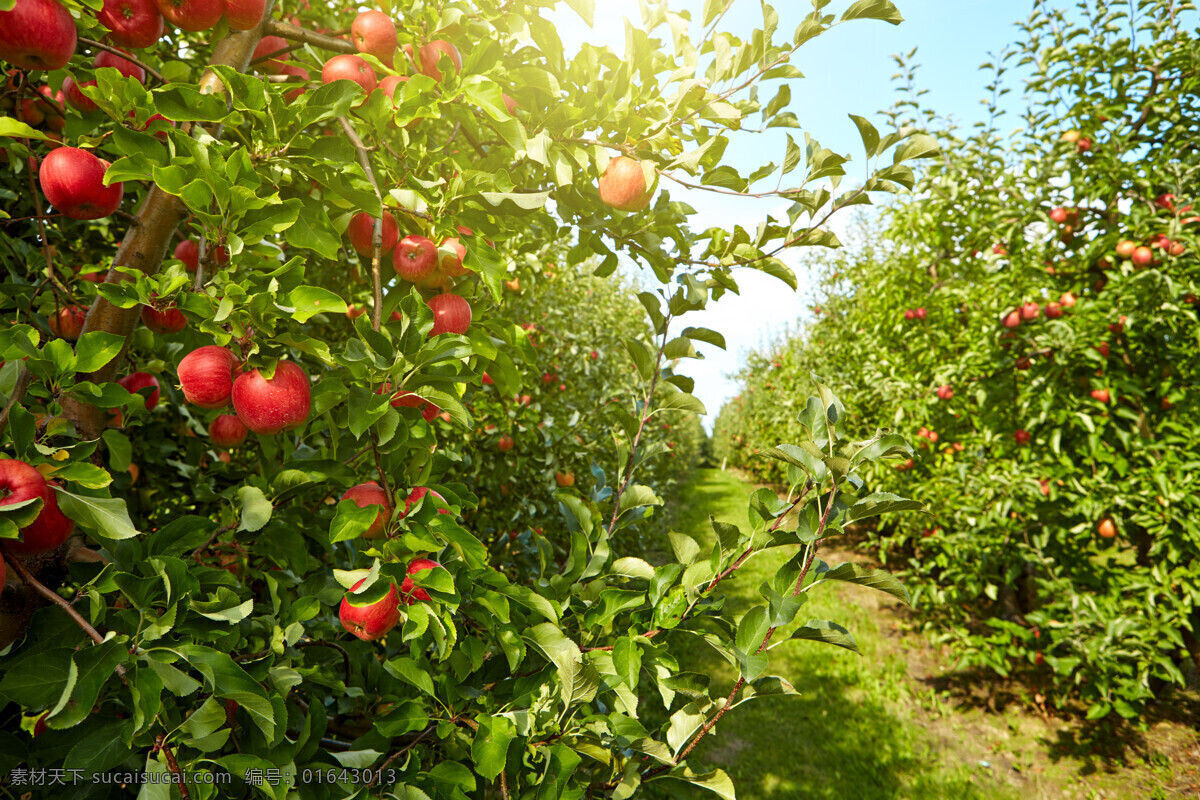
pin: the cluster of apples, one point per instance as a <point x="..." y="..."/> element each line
<point x="1030" y="311"/>
<point x="915" y="313"/>
<point x="212" y="377"/>
<point x="21" y="482"/>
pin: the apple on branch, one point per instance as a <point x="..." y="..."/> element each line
<point x="37" y="34"/>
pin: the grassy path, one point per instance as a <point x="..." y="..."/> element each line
<point x="862" y="728"/>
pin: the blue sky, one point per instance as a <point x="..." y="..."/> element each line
<point x="847" y="71"/>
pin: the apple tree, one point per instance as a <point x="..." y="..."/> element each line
<point x="254" y="277"/>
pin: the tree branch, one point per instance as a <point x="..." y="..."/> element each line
<point x="125" y="55"/>
<point x="295" y="33"/>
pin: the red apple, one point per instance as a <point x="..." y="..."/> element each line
<point x="75" y="97"/>
<point x="909" y="314"/>
<point x="414" y="258"/>
<point x="299" y="72"/>
<point x="623" y="185"/>
<point x="268" y="45"/>
<point x="409" y="591"/>
<point x="132" y="23"/>
<point x="374" y="33"/>
<point x="73" y="182"/>
<point x="1125" y="248"/>
<point x="416" y="495"/>
<point x="921" y="313"/>
<point x="1142" y="257"/>
<point x="374" y="620"/>
<point x="349" y="68"/>
<point x="505" y="444"/>
<point x="191" y="15"/>
<point x="206" y="376"/>
<point x="1084" y="144"/>
<point x="1106" y="528"/>
<point x="388" y="85"/>
<point x="1102" y="348"/>
<point x="227" y="431"/>
<point x="120" y="64"/>
<point x="1054" y="310"/>
<point x="944" y="392"/>
<point x="244" y="15"/>
<point x="270" y="406"/>
<point x="168" y="319"/>
<point x="188" y="252"/>
<point x="1100" y="394"/>
<point x="1022" y="436"/>
<point x="430" y="55"/>
<point x="451" y="314"/>
<point x="134" y="382"/>
<point x="1058" y="215"/>
<point x="452" y="252"/>
<point x="371" y="494"/>
<point x="68" y="323"/>
<point x="429" y="411"/>
<point x="1012" y="319"/>
<point x="1067" y="300"/>
<point x="19" y="482"/>
<point x="37" y="34"/>
<point x="1030" y="311"/>
<point x="564" y="479"/>
<point x="487" y="379"/>
<point x="510" y="104"/>
<point x="362" y="230"/>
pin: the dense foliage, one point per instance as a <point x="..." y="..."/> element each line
<point x="1033" y="318"/>
<point x="266" y="592"/>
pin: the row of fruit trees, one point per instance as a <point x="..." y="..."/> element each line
<point x="1030" y="313"/>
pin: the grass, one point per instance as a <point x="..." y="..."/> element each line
<point x="863" y="727"/>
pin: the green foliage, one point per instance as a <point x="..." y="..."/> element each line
<point x="1014" y="569"/>
<point x="208" y="580"/>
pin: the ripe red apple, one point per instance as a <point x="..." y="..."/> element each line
<point x="1045" y="484"/>
<point x="429" y="411"/>
<point x="191" y="15"/>
<point x="487" y="379"/>
<point x="120" y="64"/>
<point x="1067" y="299"/>
<point x="999" y="249"/>
<point x="73" y="182"/>
<point x="76" y="99"/>
<point x="505" y="444"/>
<point x="19" y="482"/>
<point x="945" y="392"/>
<point x="206" y="376"/>
<point x="244" y="15"/>
<point x="564" y="479"/>
<point x="374" y="33"/>
<point x="388" y="85"/>
<point x="134" y="382"/>
<point x="266" y="46"/>
<point x="1177" y="249"/>
<point x="68" y="323"/>
<point x="1012" y="319"/>
<point x="1166" y="201"/>
<point x="132" y="23"/>
<point x="168" y="319"/>
<point x="510" y="105"/>
<point x="623" y="185"/>
<point x="349" y="68"/>
<point x="1030" y="311"/>
<point x="452" y="252"/>
<point x="1054" y="310"/>
<point x="416" y="495"/>
<point x="1058" y="214"/>
<point x="1100" y="394"/>
<point x="409" y="591"/>
<point x="1125" y="248"/>
<point x="373" y="620"/>
<point x="431" y="54"/>
<point x="909" y="314"/>
<point x="451" y="314"/>
<point x="1106" y="528"/>
<point x="227" y="431"/>
<point x="371" y="494"/>
<point x="270" y="406"/>
<point x="1142" y="257"/>
<point x="1022" y="436"/>
<point x="1084" y="144"/>
<point x="362" y="230"/>
<point x="188" y="252"/>
<point x="414" y="258"/>
<point x="595" y="355"/>
<point x="1102" y="348"/>
<point x="37" y="34"/>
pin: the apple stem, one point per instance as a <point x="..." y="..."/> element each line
<point x="132" y="59"/>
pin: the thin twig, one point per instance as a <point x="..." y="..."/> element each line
<point x="377" y="235"/>
<point x="297" y="34"/>
<point x="181" y="783"/>
<point x="199" y="550"/>
<point x="338" y="647"/>
<point x="23" y="379"/>
<point x="422" y="735"/>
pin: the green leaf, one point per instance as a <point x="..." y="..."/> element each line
<point x="716" y="781"/>
<point x="407" y="670"/>
<point x="584" y="8"/>
<point x="489" y="749"/>
<point x="230" y="682"/>
<point x="642" y="357"/>
<point x="922" y="145"/>
<point x="304" y="302"/>
<point x="819" y="630"/>
<point x="90" y="669"/>
<point x="881" y="503"/>
<point x="95" y="349"/>
<point x="351" y="521"/>
<point x="256" y="508"/>
<point x="776" y="269"/>
<point x="868" y="134"/>
<point x="12" y="129"/>
<point x="874" y="9"/>
<point x="106" y="516"/>
<point x="866" y="576"/>
<point x="751" y="632"/>
<point x="705" y="335"/>
<point x="809" y="460"/>
<point x="578" y="681"/>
